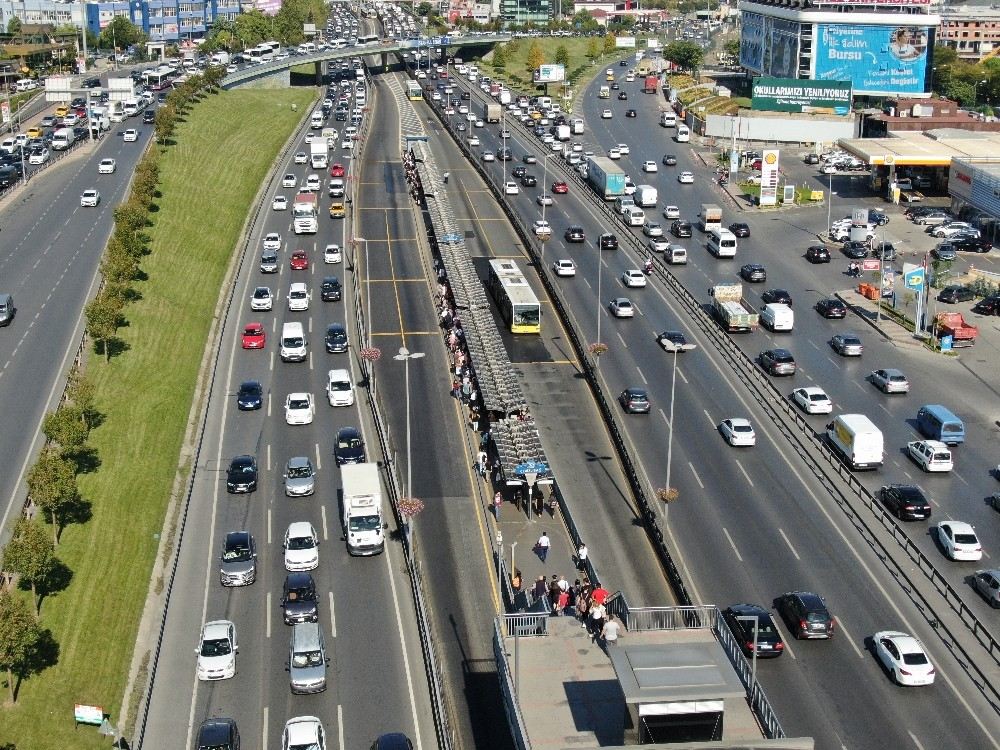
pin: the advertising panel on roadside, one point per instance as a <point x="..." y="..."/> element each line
<point x="781" y="53"/>
<point x="550" y="73"/>
<point x="801" y="95"/>
<point x="625" y="41"/>
<point x="877" y="60"/>
<point x="769" y="177"/>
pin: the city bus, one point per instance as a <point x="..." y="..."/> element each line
<point x="514" y="298"/>
<point x="413" y="92"/>
<point x="367" y="41"/>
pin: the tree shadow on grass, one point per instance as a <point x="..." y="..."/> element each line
<point x="58" y="580"/>
<point x="78" y="512"/>
<point x="43" y="654"/>
<point x="86" y="459"/>
<point x="112" y="347"/>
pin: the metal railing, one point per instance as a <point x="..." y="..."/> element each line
<point x="522" y="624"/>
<point x="509" y="690"/>
<point x="672" y="618"/>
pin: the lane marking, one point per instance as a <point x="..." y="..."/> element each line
<point x="696" y="477"/>
<point x="267" y="616"/>
<point x="646" y="382"/>
<point x="333" y="618"/>
<point x="740" y="466"/>
<point x="849" y="638"/>
<point x="322" y="512"/>
<point x="788" y="542"/>
<point x="732" y="544"/>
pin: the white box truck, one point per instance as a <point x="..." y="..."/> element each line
<point x="317" y="153"/>
<point x="562" y="133"/>
<point x="364" y="525"/>
<point x="62" y="139"/>
<point x="856" y="439"/>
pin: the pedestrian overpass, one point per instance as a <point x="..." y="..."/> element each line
<point x="276" y="72"/>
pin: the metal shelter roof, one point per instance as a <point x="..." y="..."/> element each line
<point x="932" y="148"/>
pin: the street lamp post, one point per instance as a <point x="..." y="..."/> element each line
<point x="545" y="179"/>
<point x="600" y="273"/>
<point x="405" y="355"/>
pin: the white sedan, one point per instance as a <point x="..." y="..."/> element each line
<point x="90" y="198"/>
<point x="474" y="140"/>
<point x="511" y="188"/>
<point x="738" y="431"/>
<point x="479" y="124"/>
<point x="130" y="136"/>
<point x="299" y="408"/>
<point x="623" y="147"/>
<point x="279" y="203"/>
<point x="272" y="241"/>
<point x="564" y="267"/>
<point x="621" y="307"/>
<point x="671" y="212"/>
<point x="544" y="200"/>
<point x="652" y="229"/>
<point x="649" y="166"/>
<point x="633" y="278"/>
<point x="959" y="541"/>
<point x="107" y="166"/>
<point x="301" y="157"/>
<point x="904" y="657"/>
<point x="289" y="181"/>
<point x="614" y="153"/>
<point x="332" y="254"/>
<point x="304" y="732"/>
<point x="812" y="400"/>
<point x="38" y="156"/>
<point x="686" y="178"/>
<point x="658" y="245"/>
<point x="542" y="229"/>
<point x="606" y="114"/>
<point x="488" y="156"/>
<point x="301" y="547"/>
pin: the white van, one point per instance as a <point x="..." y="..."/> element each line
<point x="131" y="108"/>
<point x="721" y="243"/>
<point x="339" y="391"/>
<point x="633" y="216"/>
<point x="668" y="118"/>
<point x="316" y="121"/>
<point x="676" y="255"/>
<point x="683" y="134"/>
<point x="777" y="316"/>
<point x="294" y="347"/>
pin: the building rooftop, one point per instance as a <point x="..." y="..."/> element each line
<point x="927" y="148"/>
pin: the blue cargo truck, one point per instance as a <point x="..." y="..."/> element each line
<point x="606" y="177"/>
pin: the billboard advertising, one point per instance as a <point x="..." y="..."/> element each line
<point x="550" y="73"/>
<point x="794" y="95"/>
<point x="267" y="7"/>
<point x="781" y="54"/>
<point x="625" y="41"/>
<point x="875" y="59"/>
<point x="769" y="178"/>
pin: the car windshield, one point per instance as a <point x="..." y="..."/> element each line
<point x="298" y="294"/>
<point x="816" y="617"/>
<point x="304" y="594"/>
<point x="238" y="552"/>
<point x="307" y="659"/>
<point x="299" y="472"/>
<point x="364" y="523"/>
<point x="764" y="626"/>
<point x="349" y="442"/>
<point x="242" y="468"/>
<point x="303" y="746"/>
<point x="298" y="403"/>
<point x="340" y="385"/>
<point x="301" y="542"/>
<point x="897" y="378"/>
<point x="261" y="293"/>
<point x="952" y="427"/>
<point x="216" y="647"/>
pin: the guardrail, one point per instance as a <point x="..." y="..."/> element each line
<point x="442" y="723"/>
<point x="810" y="443"/>
<point x="532" y="243"/>
<point x="262" y="206"/>
<point x="511" y="706"/>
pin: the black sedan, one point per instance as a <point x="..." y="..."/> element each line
<point x="634" y="400"/>
<point x="575" y="233"/>
<point x="855" y="249"/>
<point x="753" y="272"/>
<point x="970" y="244"/>
<point x="669" y="160"/>
<point x="740" y="228"/>
<point x="349" y="446"/>
<point x="241" y="477"/>
<point x="831" y="308"/>
<point x="529" y="180"/>
<point x="631" y="113"/>
<point x="608" y="241"/>
<point x="806" y="614"/>
<point x="681" y="228"/>
<point x="817" y="254"/>
<point x="336" y="338"/>
<point x="906" y="501"/>
<point x="988" y="306"/>
<point x="954" y="293"/>
<point x="743" y="620"/>
<point x="779" y="296"/>
<point x="519" y="171"/>
<point x="250" y="396"/>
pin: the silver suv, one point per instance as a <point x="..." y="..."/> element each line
<point x="300" y="478"/>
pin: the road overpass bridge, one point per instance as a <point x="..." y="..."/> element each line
<point x="276" y="73"/>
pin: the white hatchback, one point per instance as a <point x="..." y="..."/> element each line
<point x="301" y="547"/>
<point x="217" y="651"/>
<point x="564" y="267"/>
<point x="299" y="408"/>
<point x="332" y="254"/>
<point x="107" y="166"/>
<point x="279" y="203"/>
<point x="649" y="166"/>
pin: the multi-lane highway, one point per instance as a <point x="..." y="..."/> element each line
<point x="375" y="675"/>
<point x="752" y="524"/>
<point x="49" y="262"/>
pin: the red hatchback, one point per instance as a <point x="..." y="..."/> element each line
<point x="560" y="187"/>
<point x="300" y="261"/>
<point x="254" y="336"/>
<point x="337" y="170"/>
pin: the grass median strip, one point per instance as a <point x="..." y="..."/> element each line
<point x="208" y="180"/>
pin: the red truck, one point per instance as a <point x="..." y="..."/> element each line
<point x="954" y="325"/>
<point x="651" y="84"/>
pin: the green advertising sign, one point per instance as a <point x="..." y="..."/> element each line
<point x="802" y="95"/>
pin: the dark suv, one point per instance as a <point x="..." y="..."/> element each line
<point x="331" y="290"/>
<point x="988" y="306"/>
<point x="575" y="233"/>
<point x="218" y="734"/>
<point x="681" y="228"/>
<point x="806" y="614"/>
<point x="336" y="338"/>
<point x="298" y="599"/>
<point x="906" y="501"/>
<point x="768" y="640"/>
<point x="955" y="293"/>
<point x="608" y="242"/>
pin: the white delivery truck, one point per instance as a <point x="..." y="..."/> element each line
<point x="562" y="133"/>
<point x="856" y="439"/>
<point x="577" y="125"/>
<point x="776" y="316"/>
<point x="364" y="526"/>
<point x="317" y="153"/>
<point x="645" y="196"/>
<point x="62" y="139"/>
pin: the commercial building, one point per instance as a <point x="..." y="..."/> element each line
<point x="974" y="187"/>
<point x="882" y="47"/>
<point x="40" y="12"/>
<point x="972" y="30"/>
<point x="525" y="11"/>
<point x="906" y="115"/>
<point x="164" y="20"/>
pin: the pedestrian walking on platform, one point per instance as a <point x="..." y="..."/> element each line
<point x="609" y="634"/>
<point x="481" y="463"/>
<point x="538" y="590"/>
<point x="497" y="505"/>
<point x="581" y="557"/>
<point x="597" y="616"/>
<point x="542" y="546"/>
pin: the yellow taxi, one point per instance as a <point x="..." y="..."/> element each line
<point x="33" y="132"/>
<point x="337" y="210"/>
<point x="62" y="110"/>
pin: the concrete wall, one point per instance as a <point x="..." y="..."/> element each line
<point x="779" y="129"/>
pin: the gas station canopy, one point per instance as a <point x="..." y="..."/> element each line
<point x="931" y="148"/>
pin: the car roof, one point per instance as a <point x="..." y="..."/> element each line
<point x="750" y="609"/>
<point x="739" y="421"/>
<point x="250" y="384"/>
<point x="302" y="730"/>
<point x="300" y="528"/>
<point x="904" y="641"/>
<point x="243" y="459"/>
<point x="810" y="600"/>
<point x="298" y="286"/>
<point x="812" y="389"/>
<point x="959" y="527"/>
<point x="213" y="732"/>
<point x="348" y="432"/>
